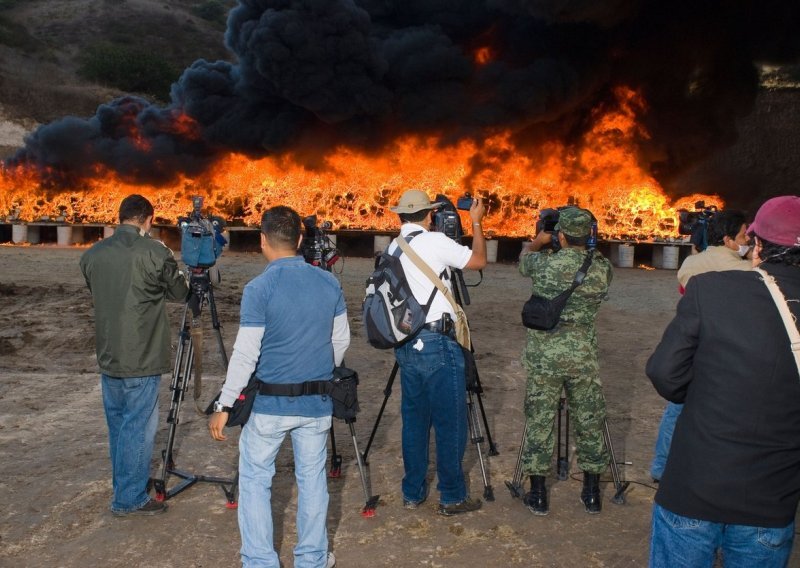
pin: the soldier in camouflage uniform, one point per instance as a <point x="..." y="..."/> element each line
<point x="565" y="358"/>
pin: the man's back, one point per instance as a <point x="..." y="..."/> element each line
<point x="130" y="278"/>
<point x="735" y="455"/>
<point x="295" y="303"/>
<point x="713" y="259"/>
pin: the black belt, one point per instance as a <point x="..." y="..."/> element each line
<point x="443" y="327"/>
<point x="295" y="389"/>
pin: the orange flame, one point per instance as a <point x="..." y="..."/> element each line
<point x="355" y="190"/>
<point x="483" y="55"/>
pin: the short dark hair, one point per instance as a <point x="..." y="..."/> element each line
<point x="772" y="253"/>
<point x="723" y="224"/>
<point x="135" y="208"/>
<point x="281" y="226"/>
<point x="414" y="217"/>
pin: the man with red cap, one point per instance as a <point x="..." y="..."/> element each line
<point x="732" y="482"/>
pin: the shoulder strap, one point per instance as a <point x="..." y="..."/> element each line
<point x="427" y="271"/>
<point x="583" y="270"/>
<point x="786" y="314"/>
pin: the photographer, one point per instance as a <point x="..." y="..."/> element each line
<point x="130" y="277"/>
<point x="293" y="329"/>
<point x="727" y="249"/>
<point x="432" y="364"/>
<point x="732" y="481"/>
<point x="565" y="358"/>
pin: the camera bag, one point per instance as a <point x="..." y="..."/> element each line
<point x="390" y="313"/>
<point x="242" y="406"/>
<point x="543" y="314"/>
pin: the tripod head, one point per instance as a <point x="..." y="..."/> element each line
<point x="199" y="285"/>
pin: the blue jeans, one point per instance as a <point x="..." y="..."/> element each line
<point x="258" y="446"/>
<point x="664" y="439"/>
<point x="434" y="394"/>
<point x="682" y="542"/>
<point x="131" y="407"/>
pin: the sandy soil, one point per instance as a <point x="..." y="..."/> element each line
<point x="55" y="474"/>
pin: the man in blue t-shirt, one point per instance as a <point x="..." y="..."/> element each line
<point x="293" y="329"/>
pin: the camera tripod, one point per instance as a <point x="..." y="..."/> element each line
<point x="474" y="391"/>
<point x="201" y="293"/>
<point x="562" y="460"/>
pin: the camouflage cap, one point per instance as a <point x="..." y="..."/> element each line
<point x="575" y="222"/>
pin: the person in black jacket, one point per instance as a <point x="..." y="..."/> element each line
<point x="732" y="482"/>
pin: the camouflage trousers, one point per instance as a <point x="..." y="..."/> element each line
<point x="587" y="411"/>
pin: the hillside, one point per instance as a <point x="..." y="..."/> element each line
<point x="47" y="47"/>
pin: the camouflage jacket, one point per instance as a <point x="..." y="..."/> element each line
<point x="553" y="273"/>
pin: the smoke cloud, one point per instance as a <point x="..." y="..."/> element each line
<point x="311" y="75"/>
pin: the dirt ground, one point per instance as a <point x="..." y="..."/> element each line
<point x="55" y="473"/>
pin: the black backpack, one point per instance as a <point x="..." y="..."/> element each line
<point x="391" y="314"/>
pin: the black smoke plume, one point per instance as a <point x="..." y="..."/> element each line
<point x="314" y="74"/>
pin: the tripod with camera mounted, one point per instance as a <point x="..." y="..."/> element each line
<point x="187" y="362"/>
<point x="319" y="250"/>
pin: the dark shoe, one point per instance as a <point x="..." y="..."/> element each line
<point x="536" y="498"/>
<point x="152" y="507"/>
<point x="466" y="506"/>
<point x="590" y="495"/>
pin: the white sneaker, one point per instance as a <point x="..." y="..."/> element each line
<point x="331" y="561"/>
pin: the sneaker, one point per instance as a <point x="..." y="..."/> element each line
<point x="412" y="505"/>
<point x="331" y="562"/>
<point x="152" y="507"/>
<point x="466" y="506"/>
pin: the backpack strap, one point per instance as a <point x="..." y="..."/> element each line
<point x="400" y="250"/>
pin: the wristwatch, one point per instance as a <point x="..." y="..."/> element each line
<point x="218" y="407"/>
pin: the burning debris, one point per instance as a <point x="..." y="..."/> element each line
<point x="337" y="107"/>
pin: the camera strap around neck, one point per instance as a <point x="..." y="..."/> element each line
<point x="786" y="314"/>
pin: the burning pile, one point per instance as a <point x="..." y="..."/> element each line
<point x="335" y="108"/>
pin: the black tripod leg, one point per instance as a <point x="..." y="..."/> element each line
<point x="336" y="459"/>
<point x="216" y="325"/>
<point x="619" y="486"/>
<point x="515" y="485"/>
<point x="477" y="438"/>
<point x="563" y="459"/>
<point x="387" y="392"/>
<point x="180" y="375"/>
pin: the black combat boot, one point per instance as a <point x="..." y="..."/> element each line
<point x="590" y="495"/>
<point x="536" y="498"/>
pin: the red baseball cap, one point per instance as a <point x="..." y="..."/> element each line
<point x="778" y="221"/>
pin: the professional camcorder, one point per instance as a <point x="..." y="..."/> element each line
<point x="446" y="219"/>
<point x="317" y="248"/>
<point x="695" y="223"/>
<point x="548" y="219"/>
<point x="201" y="237"/>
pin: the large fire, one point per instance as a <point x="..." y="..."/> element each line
<point x="354" y="190"/>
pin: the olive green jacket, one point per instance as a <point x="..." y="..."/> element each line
<point x="131" y="277"/>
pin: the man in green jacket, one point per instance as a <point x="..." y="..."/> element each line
<point x="130" y="277"/>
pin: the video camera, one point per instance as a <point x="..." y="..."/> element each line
<point x="445" y="217"/>
<point x="201" y="237"/>
<point x="695" y="223"/>
<point x="317" y="248"/>
<point x="548" y="219"/>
